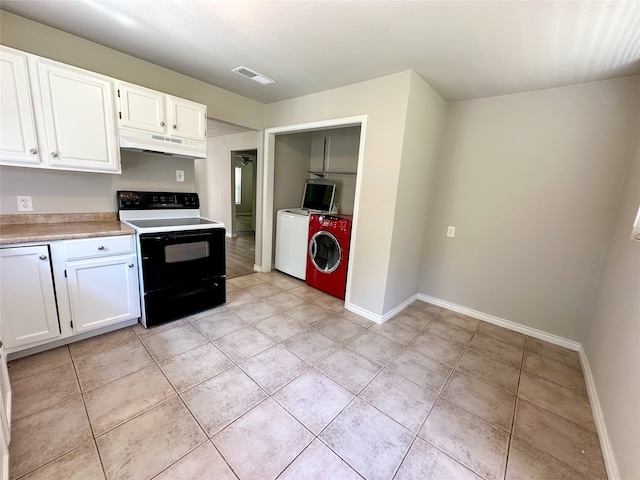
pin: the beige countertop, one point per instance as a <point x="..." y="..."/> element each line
<point x="49" y="227"/>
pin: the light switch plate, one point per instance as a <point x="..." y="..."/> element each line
<point x="451" y="231"/>
<point x="179" y="175"/>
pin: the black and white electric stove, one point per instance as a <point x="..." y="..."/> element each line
<point x="181" y="256"/>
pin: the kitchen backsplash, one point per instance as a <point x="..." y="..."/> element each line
<point x="54" y="191"/>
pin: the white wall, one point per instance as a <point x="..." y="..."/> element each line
<point x="384" y="101"/>
<point x="420" y="150"/>
<point x="343" y="146"/>
<point x="213" y="174"/>
<point x="612" y="335"/>
<point x="79" y="192"/>
<point x="531" y="183"/>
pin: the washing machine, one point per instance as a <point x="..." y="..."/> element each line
<point x="328" y="253"/>
<point x="292" y="234"/>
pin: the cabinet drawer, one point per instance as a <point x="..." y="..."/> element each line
<point x="97" y="247"/>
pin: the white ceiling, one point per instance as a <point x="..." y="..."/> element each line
<point x="462" y="49"/>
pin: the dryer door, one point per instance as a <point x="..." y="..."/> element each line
<point x="325" y="252"/>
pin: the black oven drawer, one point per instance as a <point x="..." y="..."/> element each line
<point x="176" y="302"/>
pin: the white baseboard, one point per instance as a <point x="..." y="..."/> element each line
<point x="364" y="313"/>
<point x="598" y="417"/>
<point x="380" y="319"/>
<point x="257" y="268"/>
<point x="532" y="332"/>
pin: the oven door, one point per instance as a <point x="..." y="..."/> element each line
<point x="183" y="273"/>
<point x="180" y="258"/>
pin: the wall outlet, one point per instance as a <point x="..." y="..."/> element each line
<point x="451" y="231"/>
<point x="25" y="204"/>
<point x="179" y="175"/>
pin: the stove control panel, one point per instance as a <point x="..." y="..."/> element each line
<point x="130" y="200"/>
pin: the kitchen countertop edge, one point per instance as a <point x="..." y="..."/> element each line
<point x="27" y="232"/>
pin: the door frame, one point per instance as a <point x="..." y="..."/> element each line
<point x="267" y="182"/>
<point x="254" y="202"/>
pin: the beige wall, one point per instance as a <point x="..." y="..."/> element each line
<point x="36" y="38"/>
<point x="420" y="150"/>
<point x="384" y="101"/>
<point x="531" y="183"/>
<point x="612" y="335"/>
<point x="213" y="174"/>
<point x="343" y="145"/>
<point x="78" y="192"/>
<point x="292" y="159"/>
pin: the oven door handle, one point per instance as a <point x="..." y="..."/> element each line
<point x="187" y="235"/>
<point x="179" y="236"/>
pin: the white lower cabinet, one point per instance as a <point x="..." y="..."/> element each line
<point x="102" y="278"/>
<point x="28" y="310"/>
<point x="103" y="291"/>
<point x="55" y="293"/>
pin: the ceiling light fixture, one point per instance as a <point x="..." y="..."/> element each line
<point x="252" y="75"/>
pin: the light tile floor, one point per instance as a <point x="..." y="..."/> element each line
<point x="283" y="382"/>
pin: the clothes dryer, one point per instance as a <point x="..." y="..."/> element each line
<point x="328" y="253"/>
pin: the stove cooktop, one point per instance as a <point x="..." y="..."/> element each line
<point x="173" y="222"/>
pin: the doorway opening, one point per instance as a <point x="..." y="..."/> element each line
<point x="269" y="205"/>
<point x="241" y="243"/>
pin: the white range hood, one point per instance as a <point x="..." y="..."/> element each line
<point x="157" y="143"/>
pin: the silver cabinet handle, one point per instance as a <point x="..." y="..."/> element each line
<point x="0" y="343"/>
<point x="101" y="247"/>
<point x="33" y="151"/>
<point x="43" y="257"/>
<point x="175" y="126"/>
<point x="131" y="265"/>
<point x="54" y="154"/>
<point x="162" y="124"/>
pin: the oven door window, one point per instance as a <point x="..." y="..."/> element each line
<point x="186" y="252"/>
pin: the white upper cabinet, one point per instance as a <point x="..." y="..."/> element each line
<point x="188" y="119"/>
<point x="141" y="108"/>
<point x="18" y="141"/>
<point x="79" y="118"/>
<point x="151" y="111"/>
<point x="57" y="116"/>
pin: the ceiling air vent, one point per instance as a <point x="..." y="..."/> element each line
<point x="251" y="75"/>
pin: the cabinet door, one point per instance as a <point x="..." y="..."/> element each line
<point x="4" y="457"/>
<point x="5" y="396"/>
<point x="103" y="291"/>
<point x="18" y="133"/>
<point x="27" y="300"/>
<point x="141" y="108"/>
<point x="79" y="119"/>
<point x="188" y="119"/>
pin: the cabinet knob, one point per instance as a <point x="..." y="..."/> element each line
<point x="100" y="247"/>
<point x="175" y="126"/>
<point x="43" y="257"/>
<point x="162" y="124"/>
<point x="54" y="154"/>
<point x="33" y="151"/>
<point x="131" y="265"/>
